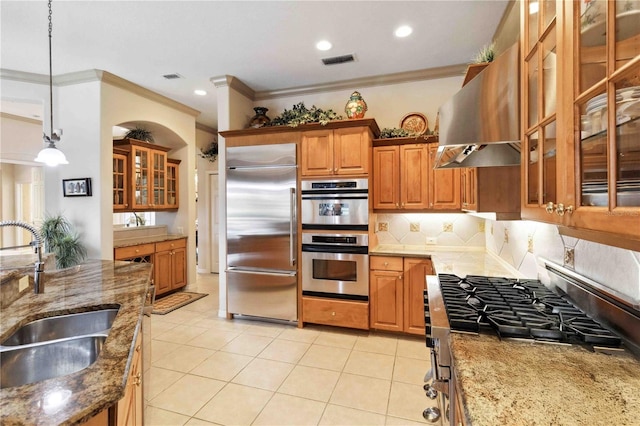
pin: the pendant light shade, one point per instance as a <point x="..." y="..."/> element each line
<point x="51" y="156"/>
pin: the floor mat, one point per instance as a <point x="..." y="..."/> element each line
<point x="174" y="301"/>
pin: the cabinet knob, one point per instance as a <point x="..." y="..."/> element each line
<point x="138" y="348"/>
<point x="333" y="314"/>
<point x="397" y="205"/>
<point x="386" y="263"/>
<point x="549" y="207"/>
<point x="561" y="209"/>
<point x="399" y="277"/>
<point x="137" y="250"/>
<point x="137" y="380"/>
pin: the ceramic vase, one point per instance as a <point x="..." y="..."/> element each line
<point x="260" y="119"/>
<point x="356" y="106"/>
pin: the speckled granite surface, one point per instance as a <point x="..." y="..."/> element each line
<point x="79" y="396"/>
<point x="516" y="383"/>
<point x="145" y="240"/>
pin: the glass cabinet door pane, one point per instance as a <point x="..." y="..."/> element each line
<point x="549" y="163"/>
<point x="628" y="143"/>
<point x="549" y="11"/>
<point x="593" y="55"/>
<point x="627" y="30"/>
<point x="593" y="151"/>
<point x="534" y="16"/>
<point x="533" y="90"/>
<point x="533" y="169"/>
<point x="549" y="75"/>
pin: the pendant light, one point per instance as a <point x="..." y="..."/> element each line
<point x="51" y="155"/>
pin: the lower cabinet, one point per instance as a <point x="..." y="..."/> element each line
<point x="396" y="293"/>
<point x="129" y="408"/>
<point x="342" y="313"/>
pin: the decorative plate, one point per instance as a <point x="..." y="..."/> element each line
<point x="414" y="123"/>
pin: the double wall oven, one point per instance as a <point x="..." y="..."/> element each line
<point x="335" y="253"/>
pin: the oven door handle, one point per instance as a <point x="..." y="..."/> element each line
<point x="292" y="223"/>
<point x="321" y="248"/>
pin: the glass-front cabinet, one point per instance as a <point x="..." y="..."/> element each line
<point x="590" y="147"/>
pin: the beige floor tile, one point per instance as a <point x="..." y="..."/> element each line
<point x="290" y="410"/>
<point x="328" y="357"/>
<point x="265" y="329"/>
<point x="234" y="405"/>
<point x="222" y="366"/>
<point x="337" y="339"/>
<point x="158" y="327"/>
<point x="335" y="415"/>
<point x="180" y="334"/>
<point x="184" y="359"/>
<point x="188" y="394"/>
<point x="413" y="348"/>
<point x="198" y="422"/>
<point x="395" y="421"/>
<point x="200" y="305"/>
<point x="213" y="339"/>
<point x="160" y="379"/>
<point x="160" y="348"/>
<point x="407" y="401"/>
<point x="284" y="350"/>
<point x="158" y="417"/>
<point x="370" y="364"/>
<point x="183" y="316"/>
<point x="310" y="383"/>
<point x="410" y="370"/>
<point x="305" y="335"/>
<point x="363" y="393"/>
<point x="247" y="344"/>
<point x="264" y="374"/>
<point x="377" y="344"/>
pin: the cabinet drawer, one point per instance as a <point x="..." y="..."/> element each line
<point x="171" y="244"/>
<point x="381" y="263"/>
<point x="335" y="312"/>
<point x="130" y="252"/>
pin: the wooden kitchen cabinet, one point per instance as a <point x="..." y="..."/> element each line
<point x="129" y="410"/>
<point x="173" y="183"/>
<point x="336" y="152"/>
<point x="170" y="265"/>
<point x="404" y="178"/>
<point x="396" y="293"/>
<point x="491" y="190"/>
<point x="120" y="181"/>
<point x="341" y="313"/>
<point x="581" y="158"/>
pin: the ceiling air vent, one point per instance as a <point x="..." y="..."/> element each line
<point x="172" y="76"/>
<point x="338" y="59"/>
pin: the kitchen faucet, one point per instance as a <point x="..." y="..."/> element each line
<point x="38" y="279"/>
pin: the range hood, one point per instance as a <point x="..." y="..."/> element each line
<point x="480" y="125"/>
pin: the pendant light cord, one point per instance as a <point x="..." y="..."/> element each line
<point x="50" y="73"/>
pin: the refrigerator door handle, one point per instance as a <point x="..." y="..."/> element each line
<point x="292" y="225"/>
<point x="257" y="272"/>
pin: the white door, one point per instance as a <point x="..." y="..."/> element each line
<point x="214" y="215"/>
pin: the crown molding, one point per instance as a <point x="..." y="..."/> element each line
<point x="457" y="70"/>
<point x="205" y="128"/>
<point x="235" y="83"/>
<point x="20" y="118"/>
<point x="24" y="77"/>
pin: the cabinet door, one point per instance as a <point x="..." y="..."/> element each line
<point x="386" y="177"/>
<point x="444" y="184"/>
<point x="317" y="153"/>
<point x="414" y="177"/>
<point x="120" y="182"/>
<point x="129" y="408"/>
<point x="172" y="186"/>
<point x="415" y="270"/>
<point x="163" y="271"/>
<point x="385" y="300"/>
<point x="468" y="179"/>
<point x="179" y="268"/>
<point x="159" y="179"/>
<point x="141" y="177"/>
<point x="351" y="151"/>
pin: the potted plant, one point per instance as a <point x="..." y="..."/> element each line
<point x="483" y="58"/>
<point x="60" y="239"/>
<point x="140" y="134"/>
<point x="210" y="152"/>
<point x="299" y="114"/>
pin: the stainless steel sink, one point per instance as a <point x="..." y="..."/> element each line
<point x="33" y="363"/>
<point x="62" y="326"/>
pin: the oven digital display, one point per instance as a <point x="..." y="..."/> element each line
<point x="335" y="270"/>
<point x="333" y="209"/>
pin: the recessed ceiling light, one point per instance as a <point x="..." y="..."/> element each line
<point x="323" y="45"/>
<point x="403" y="31"/>
<point x="200" y="92"/>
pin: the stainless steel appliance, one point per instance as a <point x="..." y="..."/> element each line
<point x="262" y="231"/>
<point x="341" y="204"/>
<point x="335" y="266"/>
<point x="570" y="311"/>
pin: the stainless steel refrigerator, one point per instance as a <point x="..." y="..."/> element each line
<point x="262" y="231"/>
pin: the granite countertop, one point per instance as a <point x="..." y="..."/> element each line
<point x="92" y="285"/>
<point x="520" y="383"/>
<point x="146" y="240"/>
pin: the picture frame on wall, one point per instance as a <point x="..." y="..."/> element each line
<point x="79" y="187"/>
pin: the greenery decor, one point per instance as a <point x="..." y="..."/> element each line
<point x="60" y="239"/>
<point x="210" y="152"/>
<point x="395" y="132"/>
<point x="485" y="54"/>
<point x="301" y="115"/>
<point x="140" y="134"/>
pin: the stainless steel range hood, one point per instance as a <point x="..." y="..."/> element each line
<point x="480" y="125"/>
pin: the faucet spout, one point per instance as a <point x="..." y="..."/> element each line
<point x="38" y="279"/>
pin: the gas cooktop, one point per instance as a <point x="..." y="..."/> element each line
<point x="516" y="308"/>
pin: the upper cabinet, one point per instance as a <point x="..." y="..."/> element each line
<point x="404" y="178"/>
<point x="582" y="152"/>
<point x="336" y="152"/>
<point x="147" y="175"/>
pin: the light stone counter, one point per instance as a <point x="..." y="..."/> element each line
<point x="518" y="383"/>
<point x="76" y="397"/>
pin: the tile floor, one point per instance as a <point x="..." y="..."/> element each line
<point x="208" y="370"/>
